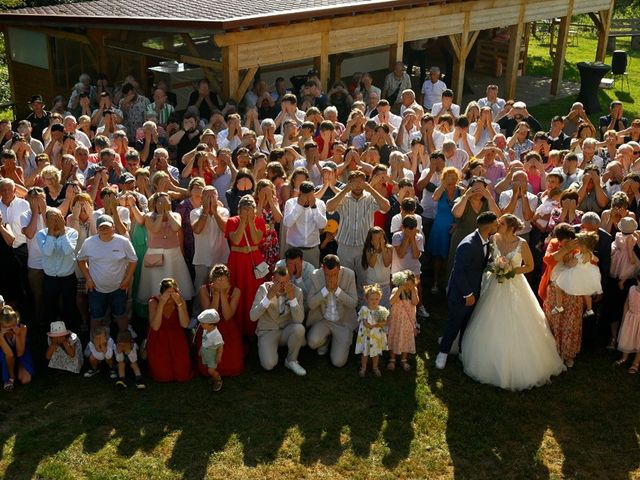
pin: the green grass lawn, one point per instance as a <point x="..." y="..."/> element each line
<point x="541" y="64"/>
<point x="330" y="424"/>
<point x="420" y="425"/>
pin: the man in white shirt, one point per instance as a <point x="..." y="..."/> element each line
<point x="11" y="209"/>
<point x="304" y="217"/>
<point x="71" y="126"/>
<point x="454" y="156"/>
<point x="432" y="89"/>
<point x="445" y="106"/>
<point x="519" y="202"/>
<point x="385" y="116"/>
<point x="290" y="111"/>
<point x="107" y="261"/>
<point x="210" y="245"/>
<point x="492" y="101"/>
<point x="409" y="101"/>
<point x="463" y="139"/>
<point x="231" y="137"/>
<point x="407" y="130"/>
<point x="32" y="221"/>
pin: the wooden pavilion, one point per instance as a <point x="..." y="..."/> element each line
<point x="48" y="47"/>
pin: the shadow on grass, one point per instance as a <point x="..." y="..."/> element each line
<point x="333" y="410"/>
<point x="566" y="429"/>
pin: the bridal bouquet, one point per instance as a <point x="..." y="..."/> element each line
<point x="502" y="269"/>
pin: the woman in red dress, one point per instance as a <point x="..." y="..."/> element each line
<point x="245" y="232"/>
<point x="267" y="207"/>
<point x="383" y="185"/>
<point x="167" y="346"/>
<point x="219" y="294"/>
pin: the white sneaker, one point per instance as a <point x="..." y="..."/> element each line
<point x="324" y="349"/>
<point x="422" y="312"/>
<point x="295" y="367"/>
<point x="441" y="361"/>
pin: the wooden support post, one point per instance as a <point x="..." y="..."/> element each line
<point x="561" y="50"/>
<point x="323" y="65"/>
<point x="246" y="82"/>
<point x="230" y="71"/>
<point x="396" y="50"/>
<point x="461" y="44"/>
<point x="97" y="43"/>
<point x="513" y="54"/>
<point x="604" y="25"/>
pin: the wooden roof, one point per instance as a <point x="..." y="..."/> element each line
<point x="210" y="14"/>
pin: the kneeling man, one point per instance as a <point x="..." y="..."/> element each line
<point x="332" y="309"/>
<point x="278" y="309"/>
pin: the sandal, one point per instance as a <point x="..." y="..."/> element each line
<point x="8" y="385"/>
<point x="612" y="344"/>
<point x="391" y="366"/>
<point x="634" y="368"/>
<point x="362" y="372"/>
<point x="620" y="362"/>
<point x="376" y="372"/>
<point x="217" y="385"/>
<point x="405" y="365"/>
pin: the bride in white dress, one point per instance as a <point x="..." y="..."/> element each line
<point x="508" y="342"/>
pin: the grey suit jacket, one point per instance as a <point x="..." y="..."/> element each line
<point x="269" y="317"/>
<point x="346" y="302"/>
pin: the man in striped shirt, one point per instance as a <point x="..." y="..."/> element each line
<point x="356" y="204"/>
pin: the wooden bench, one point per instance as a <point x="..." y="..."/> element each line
<point x="624" y="27"/>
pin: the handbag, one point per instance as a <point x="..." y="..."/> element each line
<point x="262" y="269"/>
<point x="152" y="260"/>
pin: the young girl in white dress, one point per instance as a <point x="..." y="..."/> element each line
<point x="372" y="338"/>
<point x="577" y="275"/>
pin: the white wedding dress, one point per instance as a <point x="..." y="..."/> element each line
<point x="508" y="342"/>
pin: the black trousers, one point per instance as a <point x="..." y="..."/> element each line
<point x="60" y="294"/>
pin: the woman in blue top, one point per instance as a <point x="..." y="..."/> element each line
<point x="440" y="236"/>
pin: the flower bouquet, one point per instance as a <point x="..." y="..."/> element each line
<point x="502" y="269"/>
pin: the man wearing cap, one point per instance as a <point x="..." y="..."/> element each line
<point x="304" y="217"/>
<point x="332" y="317"/>
<point x="107" y="261"/>
<point x="128" y="189"/>
<point x="278" y="309"/>
<point x="432" y="89"/>
<point x="38" y="118"/>
<point x="517" y="114"/>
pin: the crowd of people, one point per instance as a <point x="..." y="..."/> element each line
<point x="136" y="234"/>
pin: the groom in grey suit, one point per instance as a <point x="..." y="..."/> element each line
<point x="278" y="309"/>
<point x="332" y="310"/>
